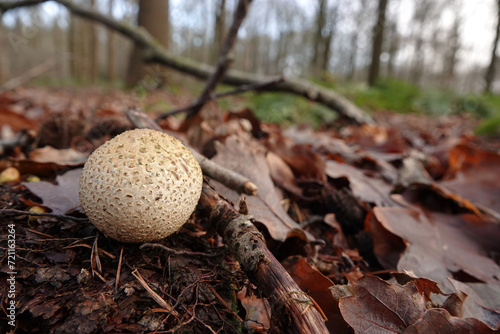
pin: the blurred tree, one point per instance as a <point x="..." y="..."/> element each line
<point x="378" y="38"/>
<point x="94" y="47"/>
<point x="490" y="72"/>
<point x="111" y="48"/>
<point x="359" y="16"/>
<point x="219" y="29"/>
<point x="323" y="35"/>
<point x="154" y="17"/>
<point x="452" y="47"/>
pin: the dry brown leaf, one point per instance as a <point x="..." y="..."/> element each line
<point x="62" y="197"/>
<point x="248" y="159"/>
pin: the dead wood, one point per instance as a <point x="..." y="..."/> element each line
<point x="293" y="311"/>
<point x="240" y="89"/>
<point x="225" y="176"/>
<point x="154" y="52"/>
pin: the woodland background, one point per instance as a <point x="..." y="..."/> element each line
<point x="375" y="159"/>
<point x="405" y="55"/>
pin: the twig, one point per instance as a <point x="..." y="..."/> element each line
<point x="225" y="59"/>
<point x="153" y="294"/>
<point x="36" y="214"/>
<point x="241" y="89"/>
<point x="119" y="270"/>
<point x="225" y="176"/>
<point x="178" y="252"/>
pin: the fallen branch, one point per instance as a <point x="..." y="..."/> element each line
<point x="293" y="310"/>
<point x="225" y="176"/>
<point x="240" y="89"/>
<point x="154" y="52"/>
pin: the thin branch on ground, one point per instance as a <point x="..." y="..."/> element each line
<point x="15" y="212"/>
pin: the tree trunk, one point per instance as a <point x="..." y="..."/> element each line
<point x="111" y="48"/>
<point x="450" y="59"/>
<point x="378" y="38"/>
<point x="94" y="47"/>
<point x="319" y="40"/>
<point x="154" y="17"/>
<point x="490" y="73"/>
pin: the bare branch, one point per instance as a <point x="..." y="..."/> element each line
<point x="225" y="59"/>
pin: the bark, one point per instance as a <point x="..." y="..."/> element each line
<point x="156" y="53"/>
<point x="378" y="38"/>
<point x="293" y="310"/>
<point x="153" y="16"/>
<point x="490" y="72"/>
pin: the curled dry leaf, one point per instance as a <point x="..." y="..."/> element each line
<point x="248" y="159"/>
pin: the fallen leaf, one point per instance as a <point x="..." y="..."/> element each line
<point x="249" y="160"/>
<point x="380" y="307"/>
<point x="471" y="174"/>
<point x="315" y="284"/>
<point x="440" y="244"/>
<point x="62" y="197"/>
<point x="439" y="321"/>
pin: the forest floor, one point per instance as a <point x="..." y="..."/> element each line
<point x="393" y="226"/>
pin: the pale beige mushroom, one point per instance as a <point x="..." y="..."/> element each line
<point x="140" y="186"/>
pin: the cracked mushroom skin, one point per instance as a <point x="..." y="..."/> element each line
<point x="140" y="186"/>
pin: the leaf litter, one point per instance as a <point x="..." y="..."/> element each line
<point x="390" y="227"/>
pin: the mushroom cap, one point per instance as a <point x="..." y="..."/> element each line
<point x="140" y="186"/>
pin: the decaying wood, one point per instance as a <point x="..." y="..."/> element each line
<point x="240" y="89"/>
<point x="225" y="59"/>
<point x="293" y="310"/>
<point x="225" y="176"/>
<point x="154" y="52"/>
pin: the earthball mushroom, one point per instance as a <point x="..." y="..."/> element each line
<point x="140" y="186"/>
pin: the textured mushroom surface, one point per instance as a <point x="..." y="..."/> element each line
<point x="140" y="186"/>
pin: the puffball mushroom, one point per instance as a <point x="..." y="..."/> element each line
<point x="140" y="186"/>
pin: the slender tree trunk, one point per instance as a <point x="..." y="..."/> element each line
<point x="94" y="48"/>
<point x="393" y="48"/>
<point x="154" y="17"/>
<point x="319" y="40"/>
<point x="378" y="38"/>
<point x="490" y="73"/>
<point x="450" y="59"/>
<point x="111" y="48"/>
